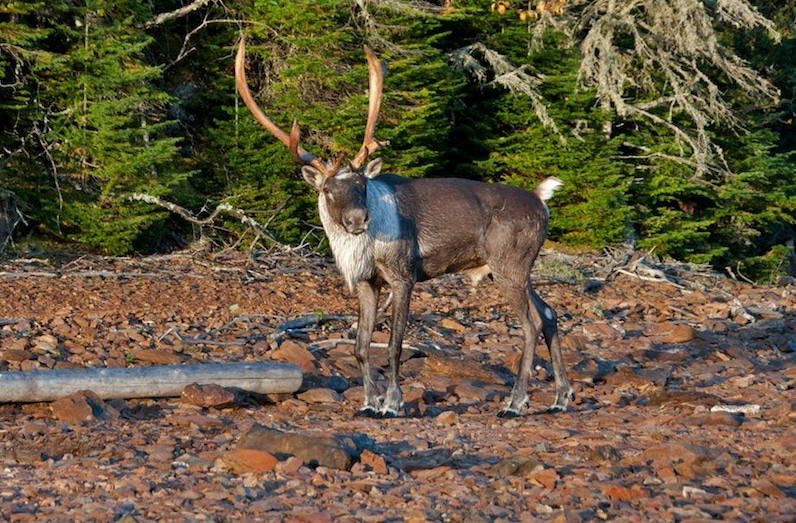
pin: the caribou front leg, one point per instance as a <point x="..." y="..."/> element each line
<point x="393" y="401"/>
<point x="368" y="296"/>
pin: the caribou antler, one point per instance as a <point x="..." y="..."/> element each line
<point x="376" y="75"/>
<point x="292" y="140"/>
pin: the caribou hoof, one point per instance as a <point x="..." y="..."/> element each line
<point x="508" y="413"/>
<point x="388" y="414"/>
<point x="368" y="412"/>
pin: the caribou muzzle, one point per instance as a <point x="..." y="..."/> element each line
<point x="356" y="220"/>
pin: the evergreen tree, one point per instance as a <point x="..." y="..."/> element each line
<point x="102" y="131"/>
<point x="515" y="140"/>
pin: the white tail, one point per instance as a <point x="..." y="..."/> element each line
<point x="547" y="188"/>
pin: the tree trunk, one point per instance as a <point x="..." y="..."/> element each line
<point x="148" y="382"/>
<point x="9" y="216"/>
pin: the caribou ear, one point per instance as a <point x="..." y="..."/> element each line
<point x="313" y="176"/>
<point x="373" y="168"/>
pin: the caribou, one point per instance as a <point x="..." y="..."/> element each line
<point x="384" y="229"/>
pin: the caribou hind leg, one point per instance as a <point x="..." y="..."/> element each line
<point x="531" y="323"/>
<point x="564" y="390"/>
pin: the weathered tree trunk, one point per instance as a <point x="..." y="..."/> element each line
<point x="9" y="215"/>
<point x="148" y="382"/>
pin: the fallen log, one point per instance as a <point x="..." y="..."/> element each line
<point x="147" y="382"/>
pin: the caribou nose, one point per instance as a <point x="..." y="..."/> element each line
<point x="356" y="221"/>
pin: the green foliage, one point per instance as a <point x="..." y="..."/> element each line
<point x="102" y="103"/>
<point x="591" y="209"/>
<point x="101" y="130"/>
<point x="259" y="176"/>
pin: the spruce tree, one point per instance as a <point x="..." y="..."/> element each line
<point x="101" y="127"/>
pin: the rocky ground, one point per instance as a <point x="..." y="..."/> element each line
<point x="685" y="408"/>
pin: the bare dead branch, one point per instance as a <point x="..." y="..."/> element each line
<point x="221" y="208"/>
<point x="177" y="13"/>
<point x="518" y="80"/>
<point x="673" y="42"/>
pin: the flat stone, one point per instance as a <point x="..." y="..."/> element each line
<point x="591" y="370"/>
<point x="448" y="417"/>
<point x="447" y="323"/>
<point x="374" y="462"/>
<point x="320" y="395"/>
<point x="660" y="398"/>
<point x="621" y="493"/>
<point x="246" y="460"/>
<point x="81" y="406"/>
<point x="516" y="466"/>
<point x="156" y="356"/>
<point x="454" y="367"/>
<point x="670" y="333"/>
<point x="637" y="377"/>
<point x="16" y="355"/>
<point x="294" y="352"/>
<point x="667" y="453"/>
<point x="208" y="395"/>
<point x="313" y="449"/>
<point x="720" y="419"/>
<point x="600" y="330"/>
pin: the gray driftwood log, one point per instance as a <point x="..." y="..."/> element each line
<point x="148" y="382"/>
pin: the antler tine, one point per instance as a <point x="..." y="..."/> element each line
<point x="290" y="141"/>
<point x="376" y="75"/>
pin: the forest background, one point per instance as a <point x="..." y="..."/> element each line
<point x="671" y="122"/>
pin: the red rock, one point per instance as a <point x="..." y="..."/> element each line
<point x="769" y="489"/>
<point x="313" y="449"/>
<point x="156" y="356"/>
<point x="293" y="406"/>
<point x="208" y="395"/>
<point x="46" y="342"/>
<point x="575" y="342"/>
<point x="320" y="395"/>
<point x="602" y="331"/>
<point x="290" y="466"/>
<point x="784" y="479"/>
<point x="293" y="352"/>
<point x="16" y="355"/>
<point x="448" y="417"/>
<point x="82" y="406"/>
<point x="619" y="493"/>
<point x="202" y="422"/>
<point x="310" y="516"/>
<point x="413" y="394"/>
<point x="661" y="398"/>
<point x="373" y="461"/>
<point x="244" y="460"/>
<point x="670" y="333"/>
<point x="725" y="419"/>
<point x="667" y="453"/>
<point x="447" y="323"/>
<point x="667" y="475"/>
<point x="473" y="390"/>
<point x="546" y="478"/>
<point x="456" y="367"/>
